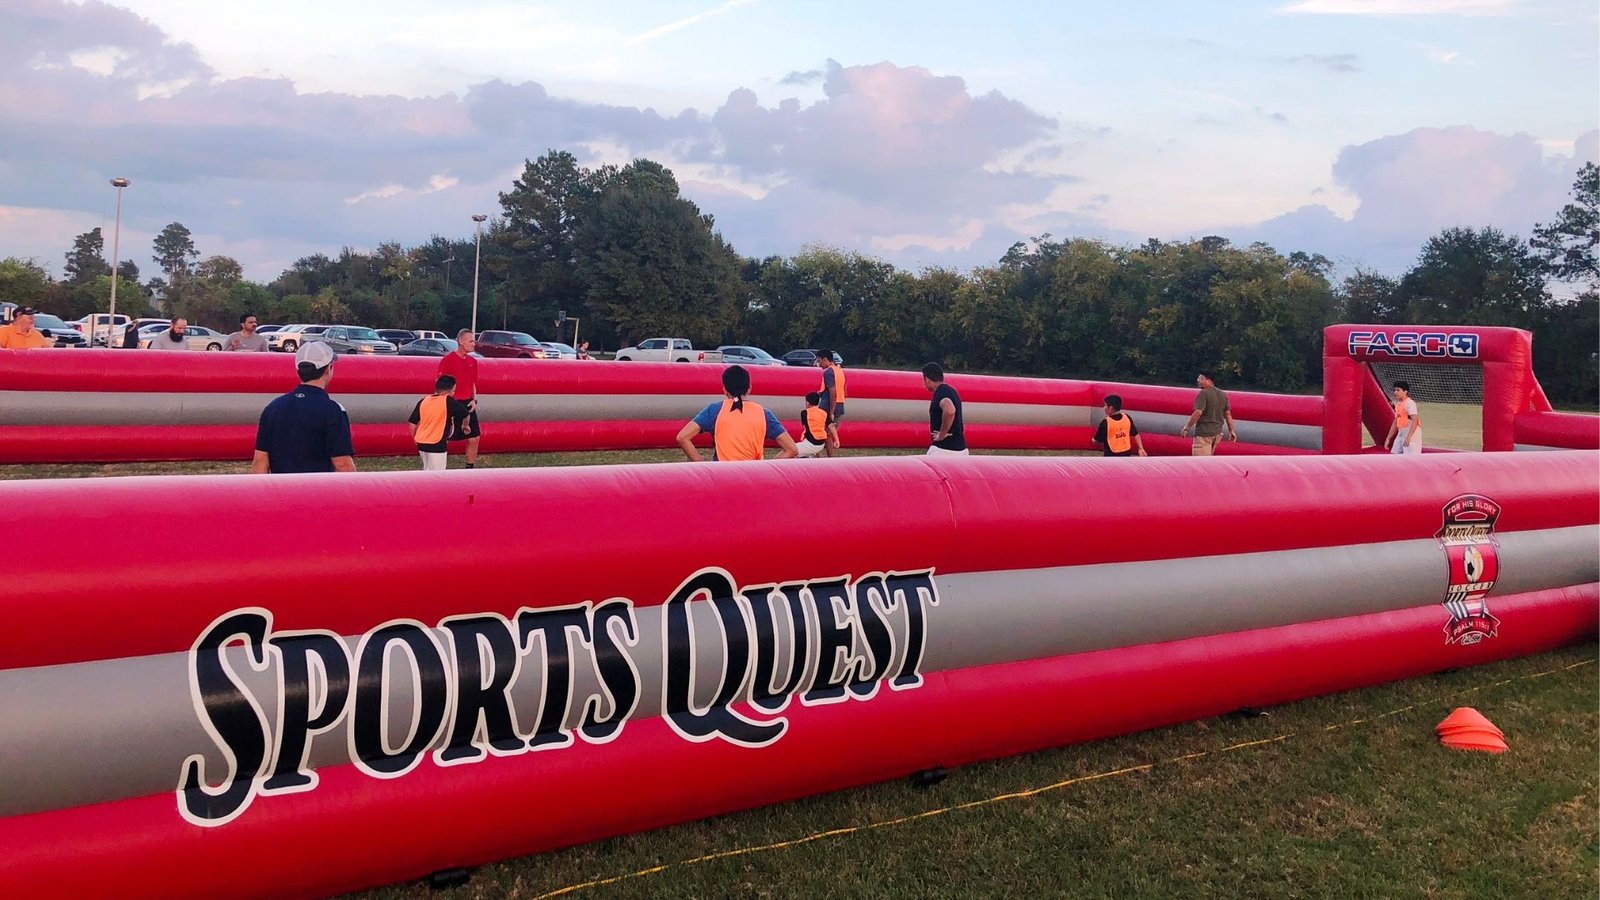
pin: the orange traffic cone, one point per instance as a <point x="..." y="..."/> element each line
<point x="1467" y="729"/>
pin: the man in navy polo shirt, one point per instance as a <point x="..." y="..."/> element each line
<point x="305" y="430"/>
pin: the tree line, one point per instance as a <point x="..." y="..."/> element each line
<point x="620" y="248"/>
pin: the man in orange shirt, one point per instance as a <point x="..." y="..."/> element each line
<point x="21" y="335"/>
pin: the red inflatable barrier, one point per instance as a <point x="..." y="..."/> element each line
<point x="422" y="670"/>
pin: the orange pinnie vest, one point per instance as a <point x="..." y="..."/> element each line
<point x="838" y="384"/>
<point x="1402" y="420"/>
<point x="815" y="423"/>
<point x="1119" y="434"/>
<point x="740" y="435"/>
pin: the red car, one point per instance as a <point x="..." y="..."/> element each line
<point x="513" y="344"/>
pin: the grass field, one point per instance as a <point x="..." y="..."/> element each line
<point x="1347" y="795"/>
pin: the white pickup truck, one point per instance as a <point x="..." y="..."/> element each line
<point x="667" y="350"/>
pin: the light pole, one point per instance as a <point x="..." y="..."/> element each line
<point x="477" y="258"/>
<point x="116" y="260"/>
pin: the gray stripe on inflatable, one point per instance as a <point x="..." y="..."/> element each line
<point x="1536" y="447"/>
<point x="1272" y="434"/>
<point x="61" y="720"/>
<point x="148" y="408"/>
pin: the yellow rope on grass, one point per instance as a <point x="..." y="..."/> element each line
<point x="1030" y="792"/>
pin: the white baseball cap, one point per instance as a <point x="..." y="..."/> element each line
<point x="317" y="353"/>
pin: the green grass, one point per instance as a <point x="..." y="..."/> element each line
<point x="1373" y="809"/>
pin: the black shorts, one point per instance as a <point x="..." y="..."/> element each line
<point x="467" y="428"/>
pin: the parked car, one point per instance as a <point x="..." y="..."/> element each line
<point x="667" y="350"/>
<point x="432" y="335"/>
<point x="197" y="337"/>
<point x="558" y="350"/>
<point x="748" y="356"/>
<point x="95" y="326"/>
<point x="806" y="358"/>
<point x="290" y="337"/>
<point x="512" y="344"/>
<point x="138" y="326"/>
<point x="430" y="347"/>
<point x="397" y="336"/>
<point x="351" y="339"/>
<point x="62" y="334"/>
<point x="267" y="329"/>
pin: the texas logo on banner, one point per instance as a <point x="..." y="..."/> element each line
<point x="1473" y="557"/>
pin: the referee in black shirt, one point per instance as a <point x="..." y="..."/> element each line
<point x="305" y="430"/>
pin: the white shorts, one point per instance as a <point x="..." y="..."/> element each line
<point x="1411" y="449"/>
<point x="940" y="451"/>
<point x="434" y="462"/>
<point x="809" y="450"/>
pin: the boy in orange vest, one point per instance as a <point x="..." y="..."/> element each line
<point x="434" y="420"/>
<point x="1117" y="435"/>
<point x="1405" y="435"/>
<point x="815" y="428"/>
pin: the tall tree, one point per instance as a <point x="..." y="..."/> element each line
<point x="1567" y="246"/>
<point x="86" y="261"/>
<point x="1477" y="277"/>
<point x="537" y="235"/>
<point x="175" y="252"/>
<point x="652" y="262"/>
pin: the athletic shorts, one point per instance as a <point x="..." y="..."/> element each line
<point x="808" y="449"/>
<point x="940" y="451"/>
<point x="470" y="428"/>
<point x="434" y="462"/>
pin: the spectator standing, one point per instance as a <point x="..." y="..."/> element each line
<point x="949" y="431"/>
<point x="1405" y="435"/>
<point x="130" y="336"/>
<point x="245" y="340"/>
<point x="171" y="339"/>
<point x="1211" y="414"/>
<point x="739" y="428"/>
<point x="461" y="365"/>
<point x="1117" y="435"/>
<point x="305" y="430"/>
<point x="433" y="420"/>
<point x="21" y="335"/>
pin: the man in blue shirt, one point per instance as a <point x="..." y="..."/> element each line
<point x="305" y="430"/>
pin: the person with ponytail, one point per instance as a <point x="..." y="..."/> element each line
<point x="739" y="428"/>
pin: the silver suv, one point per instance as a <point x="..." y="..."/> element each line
<point x="353" y="339"/>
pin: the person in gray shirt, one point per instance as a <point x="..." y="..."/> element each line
<point x="171" y="339"/>
<point x="1211" y="413"/>
<point x="245" y="340"/>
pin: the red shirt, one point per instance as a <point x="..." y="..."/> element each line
<point x="465" y="370"/>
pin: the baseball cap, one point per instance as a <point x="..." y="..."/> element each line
<point x="24" y="311"/>
<point x="316" y="353"/>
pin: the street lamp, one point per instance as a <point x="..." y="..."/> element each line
<point x="477" y="258"/>
<point x="116" y="259"/>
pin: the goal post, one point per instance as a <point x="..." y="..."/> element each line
<point x="1444" y="363"/>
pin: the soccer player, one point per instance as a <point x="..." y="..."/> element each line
<point x="461" y="365"/>
<point x="833" y="394"/>
<point x="1405" y="435"/>
<point x="944" y="414"/>
<point x="305" y="430"/>
<point x="1210" y="414"/>
<point x="1117" y="435"/>
<point x="814" y="423"/>
<point x="739" y="428"/>
<point x="433" y="420"/>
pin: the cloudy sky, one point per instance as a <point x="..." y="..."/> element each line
<point x="926" y="133"/>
